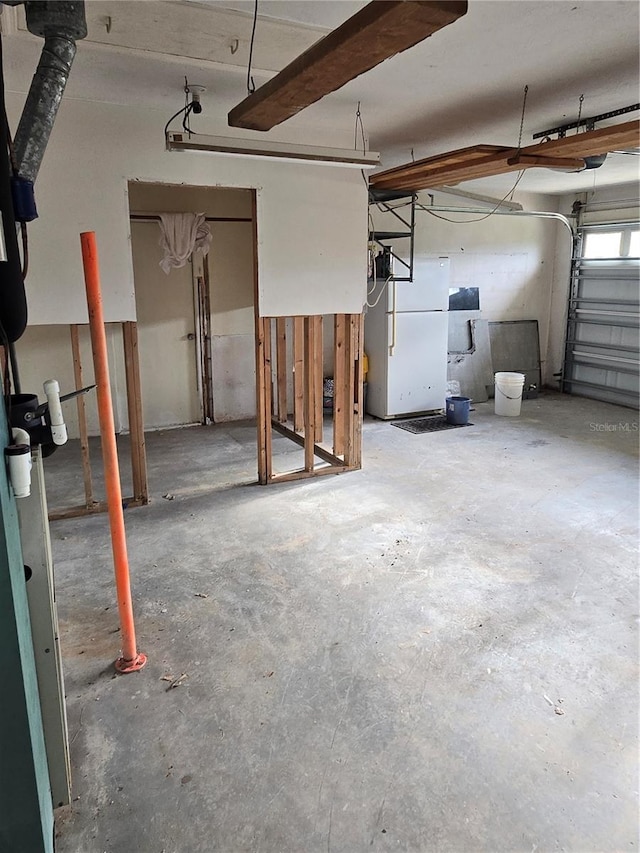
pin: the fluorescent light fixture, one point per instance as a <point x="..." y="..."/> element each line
<point x="271" y="150"/>
<point x="485" y="199"/>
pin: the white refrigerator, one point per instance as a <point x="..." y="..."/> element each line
<point x="405" y="339"/>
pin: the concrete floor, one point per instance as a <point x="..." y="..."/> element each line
<point x="437" y="653"/>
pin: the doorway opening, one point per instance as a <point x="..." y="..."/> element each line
<point x="196" y="323"/>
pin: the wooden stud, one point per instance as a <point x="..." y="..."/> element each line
<point x="298" y="373"/>
<point x="318" y="377"/>
<point x="349" y="391"/>
<point x="263" y="388"/>
<point x="134" y="406"/>
<point x="93" y="509"/>
<point x="338" y="383"/>
<point x="261" y="409"/>
<point x="304" y="475"/>
<point x="319" y="451"/>
<point x="263" y="417"/>
<point x="268" y="394"/>
<point x="309" y="392"/>
<point x="281" y="367"/>
<point x="82" y="416"/>
<point x="358" y="412"/>
<point x="380" y="30"/>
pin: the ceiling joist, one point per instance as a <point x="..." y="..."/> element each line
<point x="483" y="161"/>
<point x="378" y="31"/>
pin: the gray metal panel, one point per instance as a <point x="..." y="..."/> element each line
<point x="515" y="347"/>
<point x="469" y="359"/>
<point x="36" y="552"/>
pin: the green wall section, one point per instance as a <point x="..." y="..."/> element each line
<point x="26" y="814"/>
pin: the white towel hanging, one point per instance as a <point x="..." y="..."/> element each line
<point x="182" y="235"/>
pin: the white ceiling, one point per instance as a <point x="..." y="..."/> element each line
<point x="462" y="86"/>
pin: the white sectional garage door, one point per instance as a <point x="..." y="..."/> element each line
<point x="602" y="356"/>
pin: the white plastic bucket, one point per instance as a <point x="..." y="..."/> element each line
<point x="508" y="393"/>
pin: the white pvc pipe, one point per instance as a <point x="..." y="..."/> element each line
<point x="55" y="416"/>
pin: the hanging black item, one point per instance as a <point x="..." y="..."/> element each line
<point x="13" y="301"/>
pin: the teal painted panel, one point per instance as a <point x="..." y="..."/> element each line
<point x="26" y="814"/>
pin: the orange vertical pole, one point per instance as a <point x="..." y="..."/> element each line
<point x="131" y="660"/>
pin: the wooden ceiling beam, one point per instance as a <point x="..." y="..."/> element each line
<point x="493" y="164"/>
<point x="378" y="31"/>
<point x="526" y="161"/>
<point x="480" y="161"/>
<point x="453" y="158"/>
<point x="590" y="143"/>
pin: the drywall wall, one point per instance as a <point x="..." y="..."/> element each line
<point x="510" y="259"/>
<point x="170" y="393"/>
<point x="311" y="218"/>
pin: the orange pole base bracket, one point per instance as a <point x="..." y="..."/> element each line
<point x="134" y="665"/>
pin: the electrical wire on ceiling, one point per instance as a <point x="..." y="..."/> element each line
<point x="524" y="108"/>
<point x="508" y="196"/>
<point x="190" y="107"/>
<point x="359" y="126"/>
<point x="251" y="86"/>
<point x="580" y="113"/>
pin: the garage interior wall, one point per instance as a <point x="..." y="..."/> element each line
<point x="511" y="259"/>
<point x="311" y="221"/>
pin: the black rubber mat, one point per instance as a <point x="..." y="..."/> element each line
<point x="431" y="423"/>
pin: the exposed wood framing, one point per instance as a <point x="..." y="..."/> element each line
<point x="302" y="360"/>
<point x="310" y="375"/>
<point x="82" y="417"/>
<point x="482" y="161"/>
<point x="134" y="406"/>
<point x="281" y="367"/>
<point x="318" y="377"/>
<point x="203" y="314"/>
<point x="339" y="399"/>
<point x="298" y="373"/>
<point x="379" y="30"/>
<point x="140" y="495"/>
<point x="95" y="508"/>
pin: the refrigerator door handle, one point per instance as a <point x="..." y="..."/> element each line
<point x="393" y="317"/>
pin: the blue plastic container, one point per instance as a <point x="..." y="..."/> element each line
<point x="457" y="410"/>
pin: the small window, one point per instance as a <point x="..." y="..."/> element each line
<point x="602" y="244"/>
<point x="634" y="244"/>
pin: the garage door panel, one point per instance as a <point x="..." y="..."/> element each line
<point x="603" y="331"/>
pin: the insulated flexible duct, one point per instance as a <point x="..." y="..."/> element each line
<point x="60" y="23"/>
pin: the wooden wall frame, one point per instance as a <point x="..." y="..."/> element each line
<point x="289" y="355"/>
<point x="140" y="495"/>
